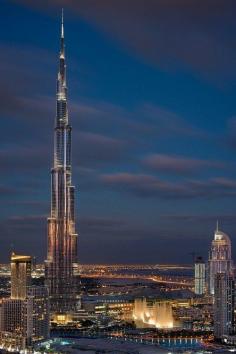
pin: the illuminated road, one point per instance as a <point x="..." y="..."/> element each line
<point x="169" y="281"/>
<point x="156" y="279"/>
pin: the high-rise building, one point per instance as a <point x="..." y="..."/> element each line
<point x="12" y="315"/>
<point x="219" y="258"/>
<point x="24" y="317"/>
<point x="200" y="276"/>
<point x="28" y="318"/>
<point x="37" y="313"/>
<point x="12" y="324"/>
<point x="62" y="237"/>
<point x="20" y="275"/>
<point x="223" y="305"/>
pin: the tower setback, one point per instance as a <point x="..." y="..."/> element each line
<point x="62" y="237"/>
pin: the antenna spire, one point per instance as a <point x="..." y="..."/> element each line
<point x="62" y="23"/>
<point x="62" y="50"/>
<point x="217" y="225"/>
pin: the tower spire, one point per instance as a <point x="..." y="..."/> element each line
<point x="62" y="49"/>
<point x="61" y="79"/>
<point x="217" y="225"/>
<point x="62" y="23"/>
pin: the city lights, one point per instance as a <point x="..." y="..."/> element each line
<point x="58" y="304"/>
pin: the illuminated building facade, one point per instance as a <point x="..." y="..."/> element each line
<point x="200" y="276"/>
<point x="219" y="258"/>
<point x="12" y="315"/>
<point x="37" y="313"/>
<point x="223" y="305"/>
<point x="62" y="237"/>
<point x="20" y="275"/>
<point x="24" y="317"/>
<point x="28" y="319"/>
<point x="13" y="342"/>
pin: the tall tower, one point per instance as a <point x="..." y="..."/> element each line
<point x="219" y="258"/>
<point x="200" y="276"/>
<point x="62" y="237"/>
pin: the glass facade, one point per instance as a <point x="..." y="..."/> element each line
<point x="223" y="305"/>
<point x="219" y="258"/>
<point x="20" y="276"/>
<point x="200" y="276"/>
<point x="62" y="237"/>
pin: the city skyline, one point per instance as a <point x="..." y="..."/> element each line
<point x="154" y="152"/>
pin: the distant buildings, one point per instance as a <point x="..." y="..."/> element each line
<point x="219" y="258"/>
<point x="200" y="276"/>
<point x="224" y="294"/>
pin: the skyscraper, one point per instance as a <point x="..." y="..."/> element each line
<point x="219" y="258"/>
<point x="62" y="237"/>
<point x="20" y="275"/>
<point x="24" y="317"/>
<point x="200" y="276"/>
<point x="37" y="313"/>
<point x="223" y="305"/>
<point x="12" y="315"/>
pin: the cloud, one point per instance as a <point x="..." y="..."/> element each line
<point x="23" y="74"/>
<point x="128" y="240"/>
<point x="26" y="110"/>
<point x="96" y="149"/>
<point x="179" y="164"/>
<point x="167" y="122"/>
<point x="103" y="132"/>
<point x="222" y="218"/>
<point x="149" y="186"/>
<point x="94" y="226"/>
<point x="23" y="158"/>
<point x="167" y="34"/>
<point x="229" y="138"/>
<point x="6" y="191"/>
<point x="143" y="185"/>
<point x="133" y="241"/>
<point x="23" y="234"/>
<point x="26" y="221"/>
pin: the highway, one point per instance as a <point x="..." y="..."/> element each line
<point x="157" y="279"/>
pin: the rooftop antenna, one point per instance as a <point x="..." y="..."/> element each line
<point x="62" y="23"/>
<point x="217" y="225"/>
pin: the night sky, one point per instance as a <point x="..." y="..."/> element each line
<point x="152" y="87"/>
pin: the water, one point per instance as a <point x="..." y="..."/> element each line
<point x="180" y="343"/>
<point x="119" y="345"/>
<point x="154" y="314"/>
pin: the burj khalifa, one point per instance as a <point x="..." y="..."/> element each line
<point x="62" y="236"/>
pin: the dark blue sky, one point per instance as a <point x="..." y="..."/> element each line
<point x="152" y="87"/>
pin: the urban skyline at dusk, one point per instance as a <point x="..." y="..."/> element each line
<point x="154" y="126"/>
<point x="117" y="213"/>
